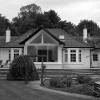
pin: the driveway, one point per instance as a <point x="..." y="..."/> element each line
<point x="14" y="90"/>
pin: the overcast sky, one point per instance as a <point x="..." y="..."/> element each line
<point x="70" y="10"/>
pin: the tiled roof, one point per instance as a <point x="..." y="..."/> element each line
<point x="70" y="41"/>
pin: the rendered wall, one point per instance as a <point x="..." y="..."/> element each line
<point x="4" y="54"/>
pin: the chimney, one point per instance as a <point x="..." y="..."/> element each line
<point x="8" y="35"/>
<point x="85" y="35"/>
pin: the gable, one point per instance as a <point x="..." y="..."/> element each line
<point x="42" y="37"/>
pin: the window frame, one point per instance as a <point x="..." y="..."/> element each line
<point x="46" y="48"/>
<point x="95" y="57"/>
<point x="16" y="53"/>
<point x="72" y="53"/>
<point x="73" y="57"/>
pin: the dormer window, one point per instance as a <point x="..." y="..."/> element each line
<point x="61" y="37"/>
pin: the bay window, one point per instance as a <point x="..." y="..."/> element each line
<point x="43" y="53"/>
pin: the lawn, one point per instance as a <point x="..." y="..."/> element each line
<point x="18" y="90"/>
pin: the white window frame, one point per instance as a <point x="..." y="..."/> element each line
<point x="78" y="53"/>
<point x="16" y="53"/>
<point x="72" y="60"/>
<point x="95" y="55"/>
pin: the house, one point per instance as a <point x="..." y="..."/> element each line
<point x="56" y="48"/>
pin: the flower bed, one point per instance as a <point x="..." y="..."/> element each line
<point x="81" y="85"/>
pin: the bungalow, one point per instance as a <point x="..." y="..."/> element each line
<point x="56" y="48"/>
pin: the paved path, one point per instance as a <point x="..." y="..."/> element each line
<point x="19" y="91"/>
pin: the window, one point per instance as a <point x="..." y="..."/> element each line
<point x="73" y="56"/>
<point x="79" y="55"/>
<point x="66" y="55"/>
<point x="16" y="53"/>
<point x="43" y="53"/>
<point x="9" y="55"/>
<point x="95" y="57"/>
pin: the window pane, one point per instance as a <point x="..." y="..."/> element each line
<point x="16" y="53"/>
<point x="9" y="55"/>
<point x="79" y="56"/>
<point x="73" y="58"/>
<point x="66" y="57"/>
<point x="95" y="57"/>
<point x="42" y="55"/>
<point x="49" y="53"/>
<point x="73" y="51"/>
<point x="37" y="40"/>
<point x="31" y="50"/>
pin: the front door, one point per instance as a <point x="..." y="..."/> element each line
<point x="95" y="62"/>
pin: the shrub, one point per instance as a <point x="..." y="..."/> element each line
<point x="22" y="66"/>
<point x="56" y="82"/>
<point x="67" y="81"/>
<point x="61" y="82"/>
<point x="83" y="79"/>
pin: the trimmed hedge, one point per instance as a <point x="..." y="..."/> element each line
<point x="22" y="67"/>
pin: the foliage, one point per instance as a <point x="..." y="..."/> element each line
<point x="92" y="27"/>
<point x="67" y="81"/>
<point x="22" y="67"/>
<point x="61" y="82"/>
<point x="30" y="16"/>
<point x="53" y="17"/>
<point x="29" y="10"/>
<point x="4" y="23"/>
<point x="83" y="79"/>
<point x="56" y="82"/>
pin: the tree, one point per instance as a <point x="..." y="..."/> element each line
<point x="23" y="68"/>
<point x="53" y="17"/>
<point x="29" y="10"/>
<point x="42" y="20"/>
<point x="4" y="23"/>
<point x="68" y="27"/>
<point x="92" y="27"/>
<point x="26" y="18"/>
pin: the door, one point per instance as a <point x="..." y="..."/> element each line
<point x="95" y="62"/>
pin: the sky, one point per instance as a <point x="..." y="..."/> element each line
<point x="69" y="10"/>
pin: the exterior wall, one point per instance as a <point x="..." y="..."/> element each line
<point x="84" y="64"/>
<point x="96" y="64"/>
<point x="99" y="58"/>
<point x="49" y="65"/>
<point x="4" y="54"/>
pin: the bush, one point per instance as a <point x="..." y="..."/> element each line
<point x="61" y="82"/>
<point x="21" y="67"/>
<point x="67" y="81"/>
<point x="83" y="79"/>
<point x="56" y="82"/>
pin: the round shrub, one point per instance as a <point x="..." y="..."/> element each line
<point x="21" y="67"/>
